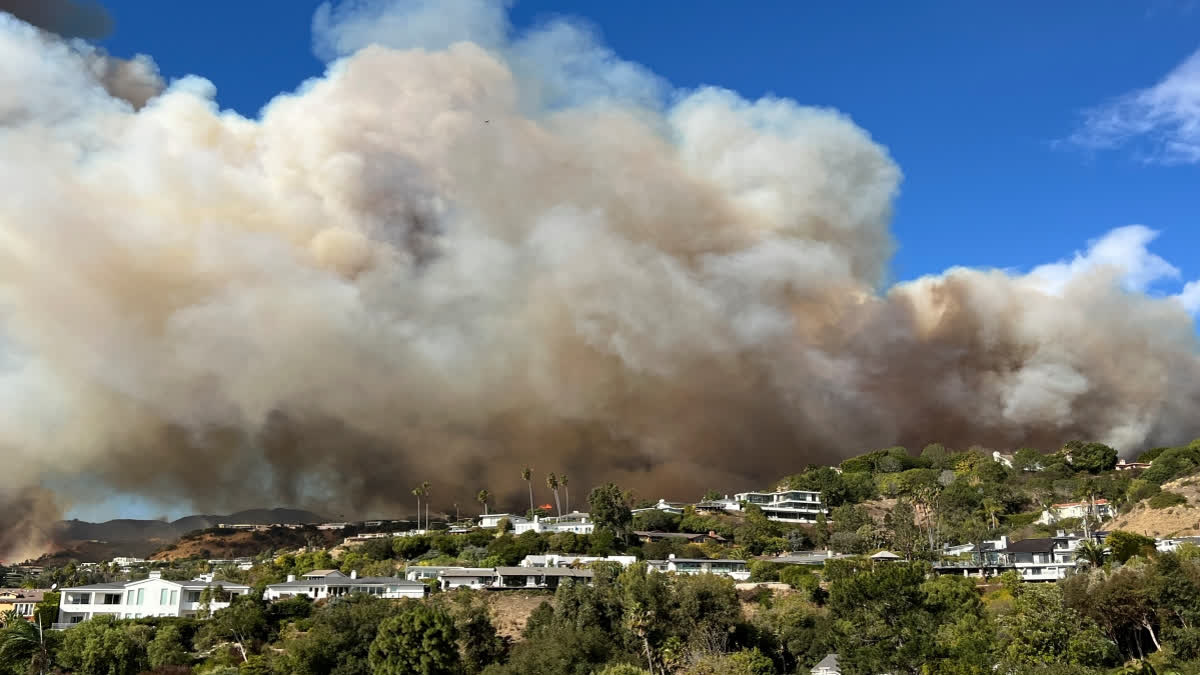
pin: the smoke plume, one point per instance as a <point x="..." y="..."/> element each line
<point x="455" y="254"/>
<point x="68" y="18"/>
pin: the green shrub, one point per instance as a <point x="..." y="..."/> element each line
<point x="1165" y="500"/>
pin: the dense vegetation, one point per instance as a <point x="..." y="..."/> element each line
<point x="1127" y="603"/>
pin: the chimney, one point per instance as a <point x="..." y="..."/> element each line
<point x="156" y="575"/>
<point x="353" y="574"/>
<point x="291" y="577"/>
<point x="670" y="556"/>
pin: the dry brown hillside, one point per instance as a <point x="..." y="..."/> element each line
<point x="239" y="543"/>
<point x="1174" y="521"/>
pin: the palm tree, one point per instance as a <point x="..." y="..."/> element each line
<point x="526" y="474"/>
<point x="1090" y="553"/>
<point x="425" y="491"/>
<point x="418" y="493"/>
<point x="991" y="507"/>
<point x="482" y="498"/>
<point x="22" y="642"/>
<point x="562" y="480"/>
<point x="552" y="483"/>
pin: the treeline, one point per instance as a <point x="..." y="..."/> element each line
<point x="894" y="617"/>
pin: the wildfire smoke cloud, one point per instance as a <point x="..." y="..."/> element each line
<point x="457" y="253"/>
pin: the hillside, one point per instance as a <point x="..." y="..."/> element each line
<point x="96" y="542"/>
<point x="1173" y="521"/>
<point x="214" y="543"/>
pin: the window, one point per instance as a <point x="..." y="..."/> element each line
<point x="141" y="598"/>
<point x="162" y="596"/>
<point x="174" y="597"/>
<point x="193" y="596"/>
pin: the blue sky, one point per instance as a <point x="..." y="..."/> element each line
<point x="970" y="98"/>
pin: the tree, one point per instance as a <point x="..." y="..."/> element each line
<point x="420" y="640"/>
<point x="1027" y="459"/>
<point x="167" y="649"/>
<point x="527" y="475"/>
<point x="340" y="637"/>
<point x="991" y="509"/>
<point x="103" y="646"/>
<point x="242" y="622"/>
<point x="552" y="483"/>
<point x="1090" y="457"/>
<point x="22" y="645"/>
<point x="417" y="492"/>
<point x="425" y="487"/>
<point x="1041" y="633"/>
<point x="1124" y="545"/>
<point x="1090" y="554"/>
<point x="879" y="619"/>
<point x="562" y="480"/>
<point x="902" y="531"/>
<point x="483" y="498"/>
<point x="608" y="508"/>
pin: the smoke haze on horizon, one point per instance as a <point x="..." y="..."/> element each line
<point x="463" y="251"/>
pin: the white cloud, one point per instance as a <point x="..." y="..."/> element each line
<point x="1123" y="252"/>
<point x="1163" y="120"/>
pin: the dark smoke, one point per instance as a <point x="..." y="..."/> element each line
<point x="68" y="18"/>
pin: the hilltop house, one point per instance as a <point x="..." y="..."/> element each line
<point x="326" y="584"/>
<point x="493" y="519"/>
<point x="717" y="505"/>
<point x="735" y="569"/>
<point x="786" y="506"/>
<point x="22" y="600"/>
<point x="664" y="506"/>
<point x="153" y="596"/>
<point x="579" y="523"/>
<point x="827" y="666"/>
<point x="1099" y="508"/>
<point x="1042" y="559"/>
<point x="563" y="560"/>
<point x="1124" y="465"/>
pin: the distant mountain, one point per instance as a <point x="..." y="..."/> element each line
<point x="127" y="530"/>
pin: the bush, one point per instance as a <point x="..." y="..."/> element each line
<point x="1165" y="500"/>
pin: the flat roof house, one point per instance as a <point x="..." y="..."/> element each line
<point x="786" y="506"/>
<point x="539" y="577"/>
<point x="735" y="569"/>
<point x="153" y="596"/>
<point x="326" y="584"/>
<point x="579" y="523"/>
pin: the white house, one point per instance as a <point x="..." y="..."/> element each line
<point x="562" y="560"/>
<point x="579" y="523"/>
<point x="324" y="584"/>
<point x="717" y="505"/>
<point x="735" y="569"/>
<point x="786" y="506"/>
<point x="154" y="596"/>
<point x="467" y="577"/>
<point x="492" y="520"/>
<point x="1171" y="545"/>
<point x="664" y="506"/>
<point x="1100" y="510"/>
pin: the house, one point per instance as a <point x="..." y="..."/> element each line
<point x="664" y="506"/>
<point x="579" y="523"/>
<point x="1173" y="544"/>
<point x="885" y="556"/>
<point x="804" y="557"/>
<point x="827" y="666"/>
<point x="423" y="572"/>
<point x="717" y="505"/>
<point x="467" y="577"/>
<point x="1043" y="559"/>
<point x="21" y="600"/>
<point x="562" y="560"/>
<point x="735" y="569"/>
<point x="689" y="537"/>
<point x="1099" y="509"/>
<point x="538" y="577"/>
<point x="125" y="563"/>
<point x="787" y="506"/>
<point x="153" y="596"/>
<point x="491" y="520"/>
<point x="1123" y="465"/>
<point x="1006" y="460"/>
<point x="328" y="584"/>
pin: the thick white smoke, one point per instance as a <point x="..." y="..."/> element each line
<point x="445" y="259"/>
